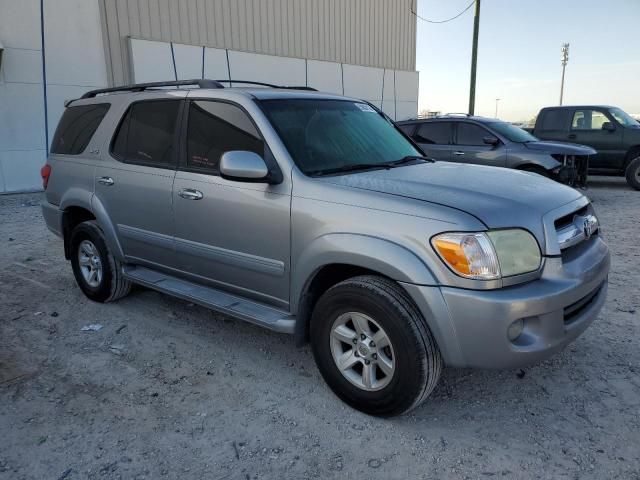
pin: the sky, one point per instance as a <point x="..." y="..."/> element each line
<point x="519" y="55"/>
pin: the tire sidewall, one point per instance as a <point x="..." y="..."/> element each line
<point x="90" y="231"/>
<point x="631" y="172"/>
<point x="408" y="377"/>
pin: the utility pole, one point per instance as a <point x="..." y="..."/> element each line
<point x="474" y="60"/>
<point x="497" y="100"/>
<point x="564" y="60"/>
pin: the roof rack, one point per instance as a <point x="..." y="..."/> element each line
<point x="200" y="83"/>
<point x="140" y="87"/>
<point x="262" y="84"/>
<point x="456" y="114"/>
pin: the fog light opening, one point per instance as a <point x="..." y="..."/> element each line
<point x="515" y="329"/>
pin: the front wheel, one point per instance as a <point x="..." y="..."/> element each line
<point x="632" y="173"/>
<point x="373" y="347"/>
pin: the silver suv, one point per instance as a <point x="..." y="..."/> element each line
<point x="313" y="214"/>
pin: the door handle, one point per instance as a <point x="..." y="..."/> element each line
<point x="191" y="194"/>
<point x="108" y="181"/>
<point x="572" y="135"/>
<point x="458" y="153"/>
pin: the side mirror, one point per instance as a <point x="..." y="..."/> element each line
<point x="243" y="166"/>
<point x="493" y="141"/>
<point x="608" y="126"/>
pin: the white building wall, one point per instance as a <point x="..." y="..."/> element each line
<point x="394" y="91"/>
<point x="74" y="62"/>
<point x="85" y="40"/>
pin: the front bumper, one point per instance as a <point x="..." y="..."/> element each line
<point x="470" y="326"/>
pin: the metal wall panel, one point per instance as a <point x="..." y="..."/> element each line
<point x="377" y="33"/>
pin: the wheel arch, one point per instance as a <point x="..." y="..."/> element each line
<point x="79" y="206"/>
<point x="632" y="153"/>
<point x="334" y="258"/>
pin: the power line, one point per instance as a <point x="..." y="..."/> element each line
<point x="439" y="21"/>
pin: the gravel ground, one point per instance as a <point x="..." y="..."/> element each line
<point x="167" y="389"/>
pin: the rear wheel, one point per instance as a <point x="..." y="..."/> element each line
<point x="373" y="347"/>
<point x="632" y="172"/>
<point x="98" y="273"/>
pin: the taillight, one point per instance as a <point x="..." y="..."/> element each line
<point x="45" y="171"/>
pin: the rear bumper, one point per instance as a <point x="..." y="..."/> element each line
<point x="52" y="217"/>
<point x="471" y="326"/>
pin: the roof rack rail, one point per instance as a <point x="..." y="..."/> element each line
<point x="140" y="87"/>
<point x="262" y="84"/>
<point x="456" y="114"/>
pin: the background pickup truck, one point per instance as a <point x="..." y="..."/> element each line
<point x="611" y="131"/>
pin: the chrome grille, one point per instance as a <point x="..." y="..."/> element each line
<point x="581" y="227"/>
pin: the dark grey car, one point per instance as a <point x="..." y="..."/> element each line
<point x="488" y="141"/>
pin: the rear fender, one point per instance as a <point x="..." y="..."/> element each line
<point x="108" y="228"/>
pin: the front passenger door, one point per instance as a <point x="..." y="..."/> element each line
<point x="231" y="234"/>
<point x="470" y="146"/>
<point x="587" y="128"/>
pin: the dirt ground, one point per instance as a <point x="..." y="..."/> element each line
<point x="170" y="390"/>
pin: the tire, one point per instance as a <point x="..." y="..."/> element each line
<point x="87" y="245"/>
<point x="415" y="358"/>
<point x="632" y="172"/>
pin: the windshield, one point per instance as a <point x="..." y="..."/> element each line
<point x="512" y="133"/>
<point x="624" y="118"/>
<point x="328" y="135"/>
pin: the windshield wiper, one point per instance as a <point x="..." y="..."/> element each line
<point x="410" y="158"/>
<point x="363" y="166"/>
<point x="347" y="168"/>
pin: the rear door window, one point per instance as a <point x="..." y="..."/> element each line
<point x="146" y="135"/>
<point x="471" y="134"/>
<point x="214" y="128"/>
<point x="436" y="133"/>
<point x="554" y="120"/>
<point x="407" y="128"/>
<point x="76" y="128"/>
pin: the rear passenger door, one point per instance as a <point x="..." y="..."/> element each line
<point x="471" y="147"/>
<point x="134" y="183"/>
<point x="231" y="234"/>
<point x="434" y="137"/>
<point x="553" y="124"/>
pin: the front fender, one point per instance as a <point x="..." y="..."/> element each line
<point x="518" y="160"/>
<point x="383" y="256"/>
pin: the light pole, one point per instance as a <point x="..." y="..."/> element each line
<point x="497" y="100"/>
<point x="474" y="60"/>
<point x="564" y="60"/>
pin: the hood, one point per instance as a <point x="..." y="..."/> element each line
<point x="560" y="148"/>
<point x="498" y="197"/>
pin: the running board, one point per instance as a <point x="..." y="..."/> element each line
<point x="223" y="302"/>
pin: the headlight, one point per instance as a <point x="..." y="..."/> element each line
<point x="488" y="255"/>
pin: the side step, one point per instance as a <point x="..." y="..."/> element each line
<point x="223" y="302"/>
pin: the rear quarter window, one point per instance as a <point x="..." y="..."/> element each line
<point x="76" y="128"/>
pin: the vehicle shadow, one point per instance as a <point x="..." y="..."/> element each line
<point x="618" y="183"/>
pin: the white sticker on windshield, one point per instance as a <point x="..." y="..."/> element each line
<point x="365" y="108"/>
